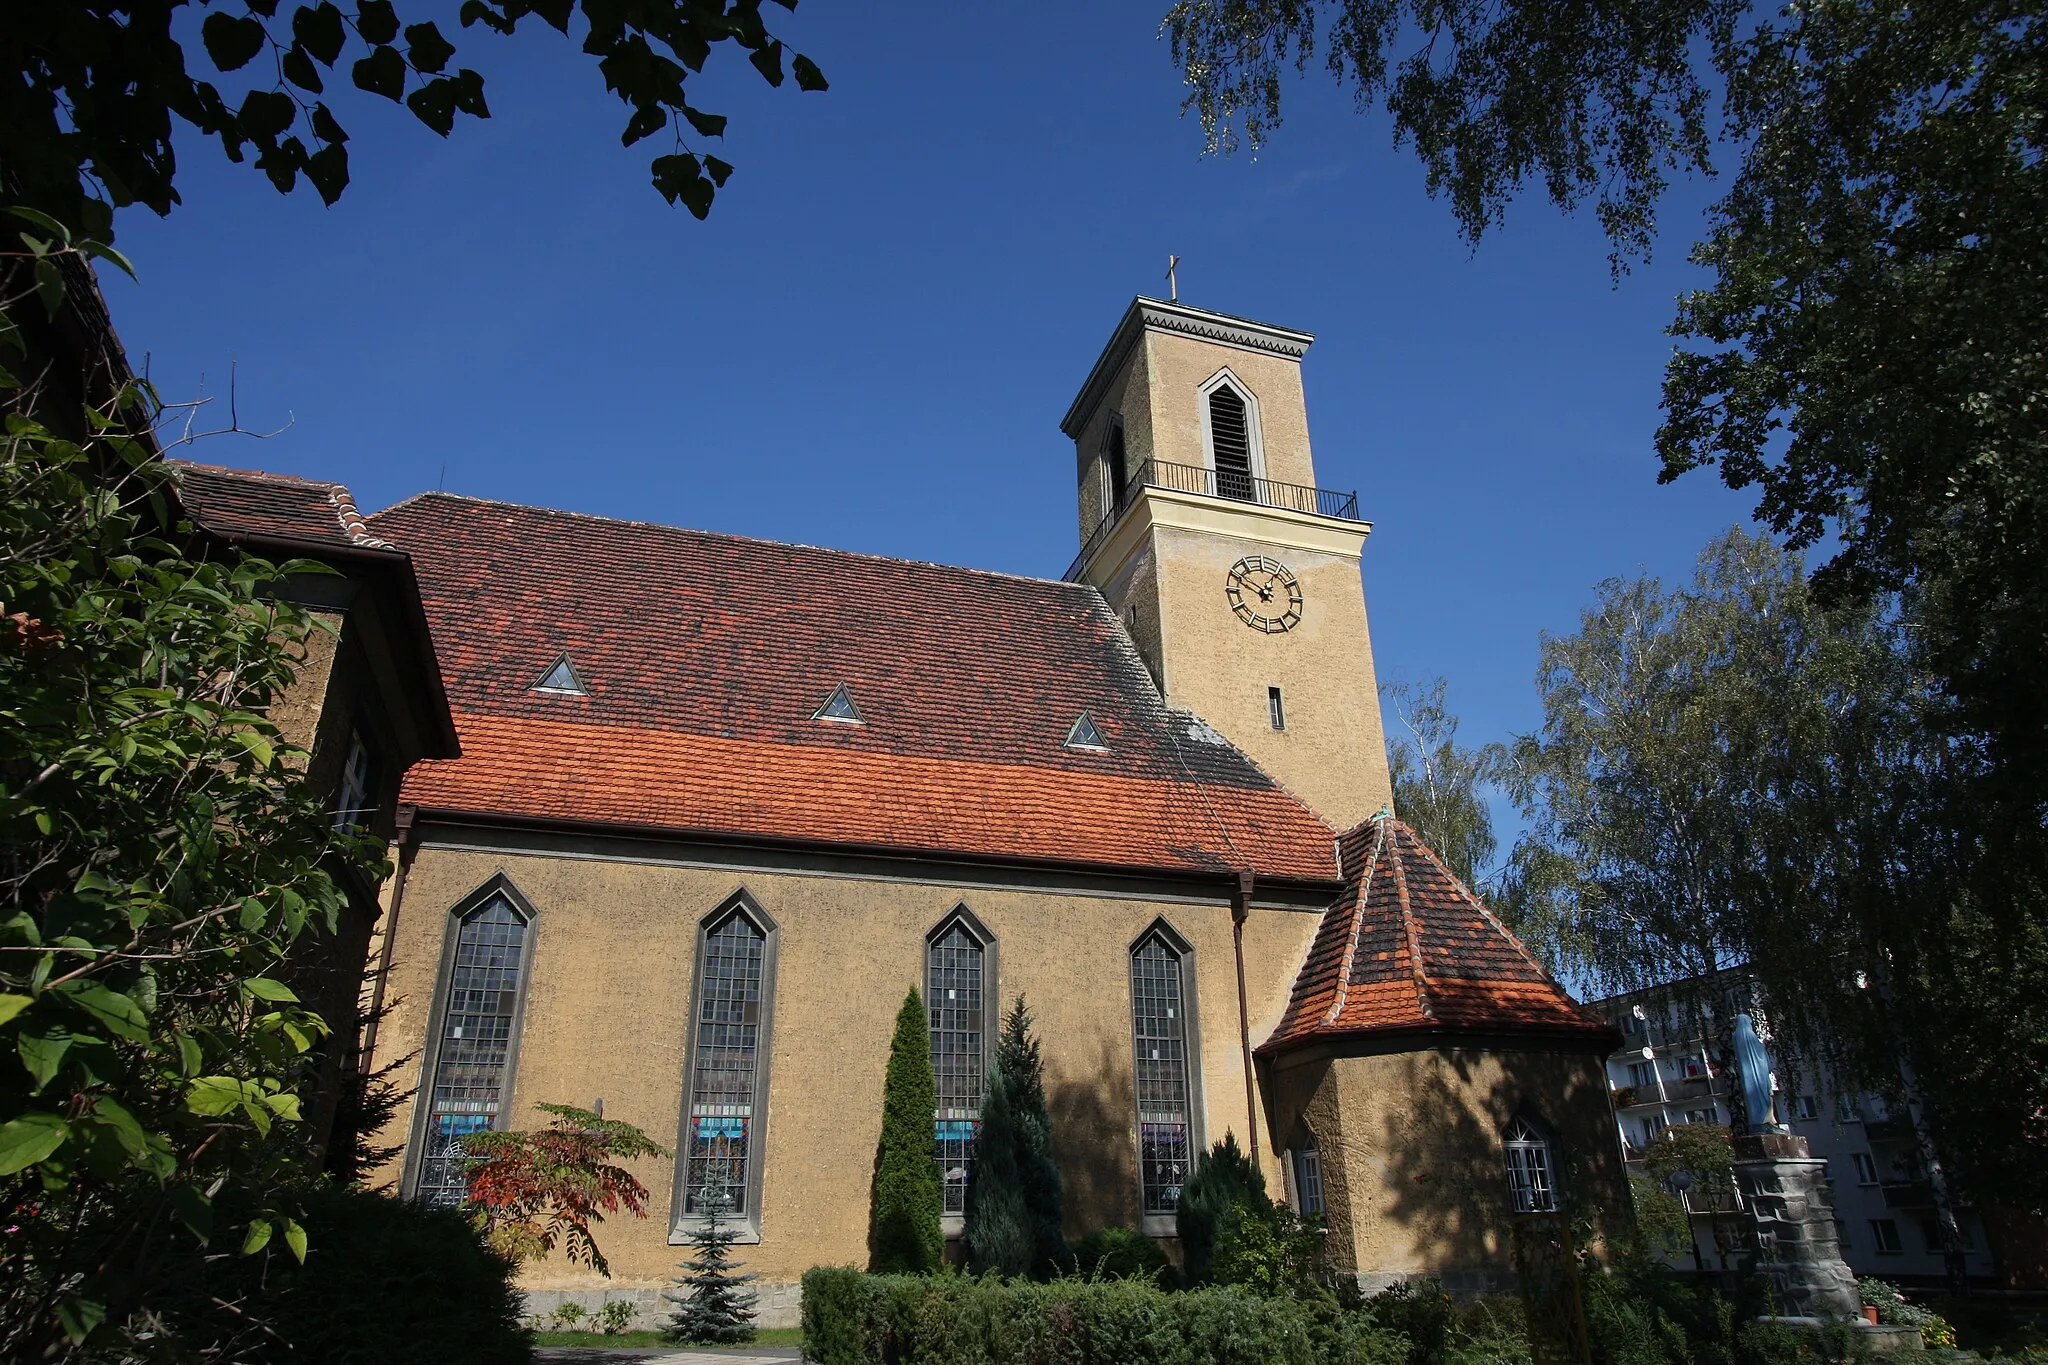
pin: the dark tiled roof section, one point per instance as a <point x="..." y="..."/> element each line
<point x="716" y="651"/>
<point x="1407" y="947"/>
<point x="247" y="504"/>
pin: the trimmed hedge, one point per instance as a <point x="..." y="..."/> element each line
<point x="855" y="1319"/>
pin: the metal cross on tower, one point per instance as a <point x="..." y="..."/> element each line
<point x="1172" y="281"/>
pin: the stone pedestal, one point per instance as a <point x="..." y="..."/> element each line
<point x="1793" y="1206"/>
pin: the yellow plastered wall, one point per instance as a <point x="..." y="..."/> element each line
<point x="1176" y="368"/>
<point x="1333" y="752"/>
<point x="607" y="1015"/>
<point x="1414" y="1171"/>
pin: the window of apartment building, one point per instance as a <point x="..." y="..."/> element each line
<point x="1930" y="1233"/>
<point x="1707" y="1115"/>
<point x="1653" y="1128"/>
<point x="955" y="999"/>
<point x="473" y="1050"/>
<point x="1643" y="1074"/>
<point x="1165" y="1095"/>
<point x="1531" y="1182"/>
<point x="1846" y="1110"/>
<point x="1884" y="1235"/>
<point x="1305" y="1168"/>
<point x="1805" y="1107"/>
<point x="1693" y="1068"/>
<point x="721" y="1146"/>
<point x="1866" y="1168"/>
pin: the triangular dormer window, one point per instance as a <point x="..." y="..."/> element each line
<point x="1084" y="735"/>
<point x="839" y="706"/>
<point x="561" y="680"/>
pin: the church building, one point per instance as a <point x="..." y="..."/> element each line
<point x="720" y="802"/>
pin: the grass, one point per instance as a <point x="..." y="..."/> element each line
<point x="767" y="1336"/>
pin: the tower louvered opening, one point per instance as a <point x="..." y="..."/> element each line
<point x="1230" y="434"/>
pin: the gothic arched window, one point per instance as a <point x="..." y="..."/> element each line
<point x="473" y="1053"/>
<point x="1230" y="442"/>
<point x="1532" y="1175"/>
<point x="721" y="1128"/>
<point x="955" y="1001"/>
<point x="1165" y="1093"/>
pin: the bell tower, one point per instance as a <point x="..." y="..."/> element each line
<point x="1238" y="577"/>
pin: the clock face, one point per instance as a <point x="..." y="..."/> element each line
<point x="1264" y="594"/>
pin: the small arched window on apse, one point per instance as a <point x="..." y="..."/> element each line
<point x="1532" y="1168"/>
<point x="1230" y="432"/>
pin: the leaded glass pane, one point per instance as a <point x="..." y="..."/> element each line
<point x="720" y="1135"/>
<point x="1308" y="1179"/>
<point x="1160" y="1027"/>
<point x="953" y="997"/>
<point x="476" y="1041"/>
<point x="1529" y="1179"/>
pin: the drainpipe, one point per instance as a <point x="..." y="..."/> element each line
<point x="402" y="838"/>
<point x="1240" y="911"/>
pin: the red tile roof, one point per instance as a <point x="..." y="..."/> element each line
<point x="1408" y="947"/>
<point x="245" y="504"/>
<point x="705" y="657"/>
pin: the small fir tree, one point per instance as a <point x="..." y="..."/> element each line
<point x="1223" y="1182"/>
<point x="1013" y="1193"/>
<point x="715" y="1308"/>
<point x="904" y="1236"/>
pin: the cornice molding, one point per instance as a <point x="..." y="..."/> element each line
<point x="1157" y="315"/>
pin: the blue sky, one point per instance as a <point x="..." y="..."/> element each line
<point x="871" y="342"/>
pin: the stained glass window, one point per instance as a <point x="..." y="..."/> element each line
<point x="1159" y="1025"/>
<point x="476" y="1042"/>
<point x="719" y="1141"/>
<point x="953" y="998"/>
<point x="1530" y="1183"/>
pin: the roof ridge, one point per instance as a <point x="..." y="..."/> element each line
<point x="178" y="466"/>
<point x="1409" y="928"/>
<point x="729" y="535"/>
<point x="1342" y="995"/>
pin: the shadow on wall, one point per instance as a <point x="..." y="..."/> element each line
<point x="1092" y="1122"/>
<point x="1446" y="1174"/>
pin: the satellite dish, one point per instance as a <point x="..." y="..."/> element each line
<point x="1637" y="1011"/>
<point x="1649" y="1054"/>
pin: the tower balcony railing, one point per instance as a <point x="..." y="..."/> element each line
<point x="1210" y="483"/>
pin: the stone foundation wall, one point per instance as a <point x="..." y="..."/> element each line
<point x="775" y="1305"/>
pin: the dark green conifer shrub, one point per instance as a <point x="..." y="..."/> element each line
<point x="1223" y="1180"/>
<point x="1122" y="1254"/>
<point x="1013" y="1191"/>
<point x="715" y="1308"/>
<point x="904" y="1235"/>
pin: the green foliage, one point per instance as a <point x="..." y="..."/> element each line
<point x="1437" y="783"/>
<point x="1122" y="1254"/>
<point x="716" y="1307"/>
<point x="94" y="91"/>
<point x="384" y="1280"/>
<point x="904" y="1234"/>
<point x="1223" y="1181"/>
<point x="1272" y="1251"/>
<point x="1893" y="1307"/>
<point x="160" y="855"/>
<point x="855" y="1319"/>
<point x="534" y="1191"/>
<point x="1639" y="1313"/>
<point x="1013" y="1191"/>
